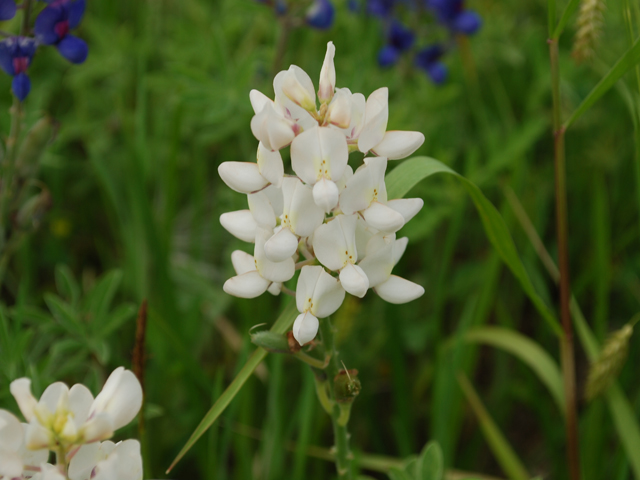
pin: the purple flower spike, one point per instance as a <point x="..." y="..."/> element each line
<point x="54" y="23"/>
<point x="468" y="22"/>
<point x="320" y="14"/>
<point x="400" y="37"/>
<point x="7" y="9"/>
<point x="453" y="15"/>
<point x="428" y="59"/>
<point x="380" y="8"/>
<point x="16" y="54"/>
<point x="387" y="56"/>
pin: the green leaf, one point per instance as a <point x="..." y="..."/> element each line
<point x="431" y="462"/>
<point x="64" y="314"/>
<point x="398" y="474"/>
<point x="99" y="299"/>
<point x="626" y="62"/>
<point x="406" y="175"/>
<point x="526" y="350"/>
<point x="67" y="285"/>
<point x="505" y="455"/>
<point x="566" y="15"/>
<point x="282" y="324"/>
<point x="116" y="319"/>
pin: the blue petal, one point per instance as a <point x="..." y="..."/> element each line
<point x="467" y="22"/>
<point x="76" y="11"/>
<point x="437" y="72"/>
<point x="401" y="37"/>
<point x="320" y="14"/>
<point x="26" y="47"/>
<point x="6" y="57"/>
<point x="380" y="8"/>
<point x="7" y="9"/>
<point x="73" y="49"/>
<point x="388" y="55"/>
<point x="45" y="25"/>
<point x="21" y="86"/>
<point x="426" y="57"/>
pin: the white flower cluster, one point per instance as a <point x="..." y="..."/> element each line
<point x="326" y="212"/>
<point x="70" y="422"/>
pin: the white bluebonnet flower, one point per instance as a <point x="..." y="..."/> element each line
<point x="326" y="213"/>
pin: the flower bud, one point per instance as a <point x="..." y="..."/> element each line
<point x="271" y="341"/>
<point x="327" y="75"/>
<point x="347" y="386"/>
<point x="297" y="85"/>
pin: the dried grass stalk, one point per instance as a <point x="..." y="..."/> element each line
<point x="589" y="29"/>
<point x="608" y="365"/>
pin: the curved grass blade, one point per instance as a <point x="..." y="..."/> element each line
<point x="526" y="350"/>
<point x="569" y="10"/>
<point x="626" y="62"/>
<point x="506" y="457"/>
<point x="282" y="324"/>
<point x="406" y="175"/>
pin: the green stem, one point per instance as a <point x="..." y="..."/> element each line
<point x="341" y="435"/>
<point x="566" y="341"/>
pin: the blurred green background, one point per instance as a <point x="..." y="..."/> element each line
<point x="163" y="99"/>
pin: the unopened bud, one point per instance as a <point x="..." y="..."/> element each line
<point x="347" y="386"/>
<point x="34" y="145"/>
<point x="271" y="341"/>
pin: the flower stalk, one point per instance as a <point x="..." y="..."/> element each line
<point x="566" y="341"/>
<point x="343" y="455"/>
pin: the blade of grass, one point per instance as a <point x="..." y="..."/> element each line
<point x="564" y="19"/>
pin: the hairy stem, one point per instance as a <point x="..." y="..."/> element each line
<point x="566" y="342"/>
<point x="343" y="455"/>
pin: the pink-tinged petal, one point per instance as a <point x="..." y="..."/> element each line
<point x="334" y="242"/>
<point x="399" y="290"/>
<point x="80" y="400"/>
<point x="306" y="285"/>
<point x="383" y="218"/>
<point x="339" y="111"/>
<point x="327" y="75"/>
<point x="11" y="432"/>
<point x="21" y="391"/>
<point x="281" y="246"/>
<point x="396" y="144"/>
<point x="32" y="457"/>
<point x="273" y="271"/>
<point x="328" y="295"/>
<point x="302" y="214"/>
<point x="326" y="194"/>
<point x="319" y="152"/>
<point x="407" y="207"/>
<point x="242" y="262"/>
<point x="240" y="224"/>
<point x="258" y="100"/>
<point x="10" y="464"/>
<point x="399" y="247"/>
<point x="123" y="463"/>
<point x="297" y="85"/>
<point x="270" y="165"/>
<point x="305" y="328"/>
<point x="84" y="461"/>
<point x="358" y="105"/>
<point x="36" y="436"/>
<point x="121" y="397"/>
<point x="272" y="129"/>
<point x="354" y="280"/>
<point x="98" y="427"/>
<point x="292" y="111"/>
<point x="247" y="285"/>
<point x="243" y="177"/>
<point x="261" y="209"/>
<point x="375" y="120"/>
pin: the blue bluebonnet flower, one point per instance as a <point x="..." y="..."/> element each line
<point x="15" y="57"/>
<point x="428" y="59"/>
<point x="399" y="39"/>
<point x="320" y="14"/>
<point x="7" y="9"/>
<point x="381" y="8"/>
<point x="54" y="23"/>
<point x="453" y="15"/>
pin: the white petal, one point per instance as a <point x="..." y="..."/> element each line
<point x="80" y="400"/>
<point x="399" y="290"/>
<point x="270" y="165"/>
<point x="55" y="396"/>
<point x="354" y="280"/>
<point x="328" y="295"/>
<point x="31" y="457"/>
<point x="271" y="128"/>
<point x="121" y="397"/>
<point x="261" y="209"/>
<point x="242" y="262"/>
<point x="302" y="118"/>
<point x="36" y="436"/>
<point x="123" y="463"/>
<point x="275" y="288"/>
<point x="98" y="427"/>
<point x="274" y="194"/>
<point x="11" y="432"/>
<point x="326" y="194"/>
<point x="297" y="85"/>
<point x="258" y="100"/>
<point x="399" y="247"/>
<point x="319" y="152"/>
<point x="342" y="183"/>
<point x="305" y="328"/>
<point x="407" y="207"/>
<point x="383" y="218"/>
<point x="301" y="213"/>
<point x="50" y="472"/>
<point x="21" y="391"/>
<point x="240" y="224"/>
<point x="273" y="271"/>
<point x="363" y="234"/>
<point x="10" y="464"/>
<point x="327" y="75"/>
<point x="306" y="286"/>
<point x="358" y="105"/>
<point x="243" y="177"/>
<point x="375" y="120"/>
<point x="339" y="111"/>
<point x="378" y="265"/>
<point x="281" y="246"/>
<point x="334" y="242"/>
<point x="83" y="461"/>
<point x="397" y="144"/>
<point x="247" y="285"/>
<point x="365" y="186"/>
